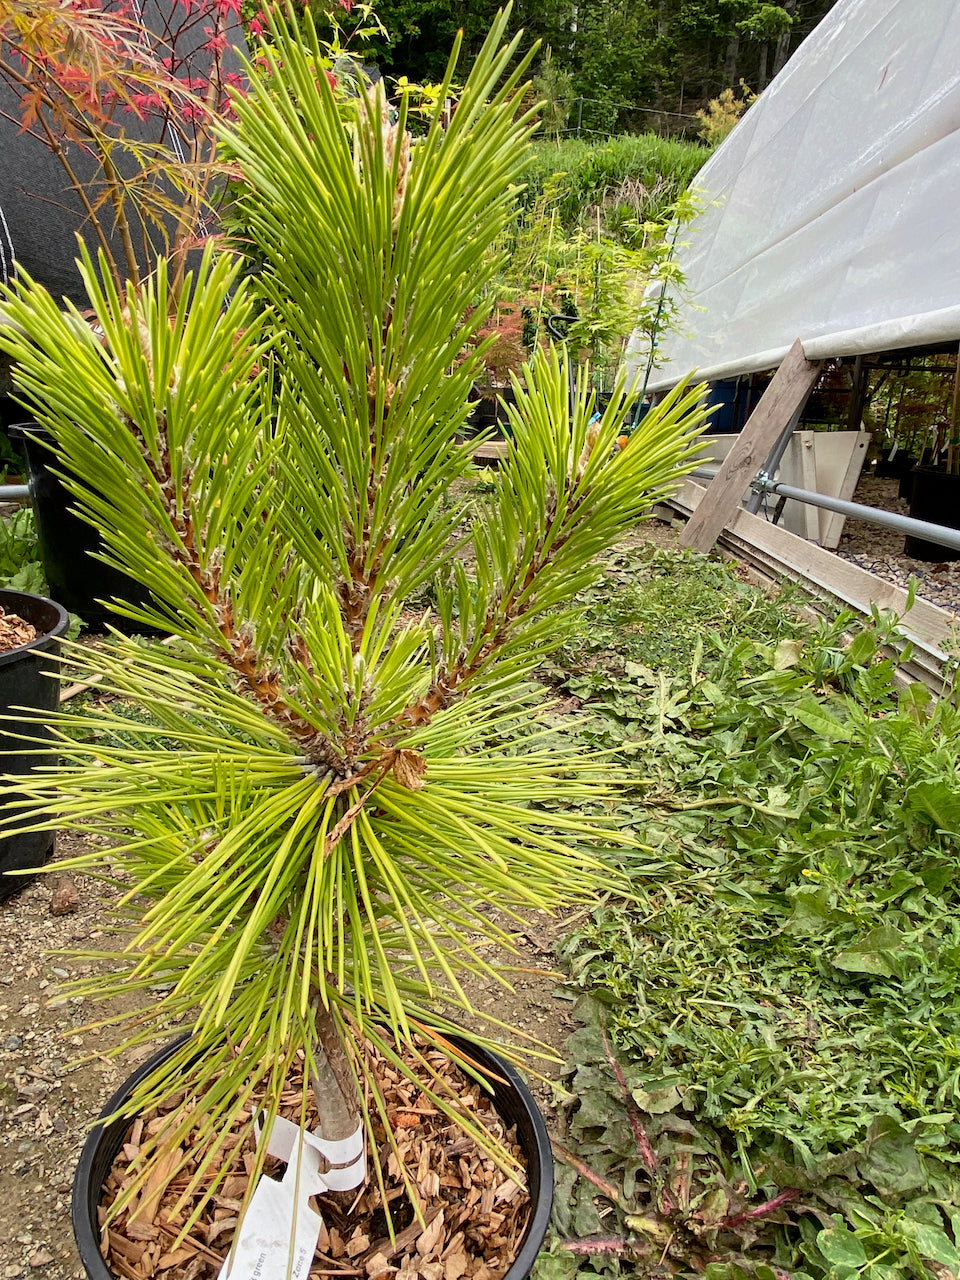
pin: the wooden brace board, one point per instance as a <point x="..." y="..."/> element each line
<point x="787" y="392"/>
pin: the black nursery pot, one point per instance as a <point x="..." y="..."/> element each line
<point x="897" y="467"/>
<point x="905" y="485"/>
<point x="490" y="413"/>
<point x="29" y="691"/>
<point x="68" y="544"/>
<point x="511" y="1097"/>
<point x="936" y="499"/>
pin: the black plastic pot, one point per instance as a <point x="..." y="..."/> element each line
<point x="29" y="692"/>
<point x="490" y="414"/>
<point x="905" y="486"/>
<point x="897" y="466"/>
<point x="75" y="579"/>
<point x="936" y="499"/>
<point x="512" y="1099"/>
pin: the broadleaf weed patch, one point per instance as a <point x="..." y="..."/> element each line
<point x="20" y="564"/>
<point x="766" y="1078"/>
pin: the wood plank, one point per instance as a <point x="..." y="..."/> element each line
<point x="842" y="579"/>
<point x="789" y="388"/>
<point x="932" y="630"/>
<point x="831" y="522"/>
<point x="490" y="453"/>
<point x="926" y="662"/>
<point x="807" y="443"/>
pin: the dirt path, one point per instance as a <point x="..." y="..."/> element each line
<point x="46" y="1105"/>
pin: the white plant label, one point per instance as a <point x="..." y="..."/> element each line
<point x="279" y="1231"/>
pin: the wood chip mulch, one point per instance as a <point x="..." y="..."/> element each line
<point x="472" y="1219"/>
<point x="14" y="631"/>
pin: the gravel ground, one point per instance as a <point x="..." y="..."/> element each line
<point x="46" y="1104"/>
<point x="881" y="550"/>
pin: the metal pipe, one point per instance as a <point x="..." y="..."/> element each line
<point x="12" y="492"/>
<point x="938" y="533"/>
<point x="772" y="464"/>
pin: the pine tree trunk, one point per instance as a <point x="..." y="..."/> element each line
<point x="333" y="1084"/>
<point x="663" y="27"/>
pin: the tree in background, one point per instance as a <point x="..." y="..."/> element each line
<point x="723" y="112"/>
<point x="108" y="112"/>
<point x="625" y="59"/>
<point x="554" y="88"/>
<point x="770" y="27"/>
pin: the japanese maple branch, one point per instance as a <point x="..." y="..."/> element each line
<point x="122" y="222"/>
<point x="54" y="143"/>
<point x="190" y="213"/>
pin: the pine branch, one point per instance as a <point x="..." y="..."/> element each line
<point x="257" y="678"/>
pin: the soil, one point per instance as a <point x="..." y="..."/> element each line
<point x="14" y="631"/>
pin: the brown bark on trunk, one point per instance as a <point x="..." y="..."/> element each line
<point x="730" y="59"/>
<point x="762" y="72"/>
<point x="333" y="1083"/>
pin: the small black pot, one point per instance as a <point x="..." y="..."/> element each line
<point x="512" y="1099"/>
<point x="897" y="467"/>
<point x="490" y="412"/>
<point x="905" y="487"/>
<point x="68" y="544"/>
<point x="936" y="499"/>
<point x="29" y="691"/>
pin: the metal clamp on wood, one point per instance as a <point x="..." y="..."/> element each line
<point x="762" y="484"/>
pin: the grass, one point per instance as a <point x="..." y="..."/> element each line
<point x="646" y="171"/>
<point x="765" y="1082"/>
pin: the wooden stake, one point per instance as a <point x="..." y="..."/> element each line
<point x="791" y="385"/>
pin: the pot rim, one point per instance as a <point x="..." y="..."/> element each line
<point x="9" y="598"/>
<point x="104" y="1140"/>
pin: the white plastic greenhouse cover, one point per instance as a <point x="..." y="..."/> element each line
<point x="832" y="211"/>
